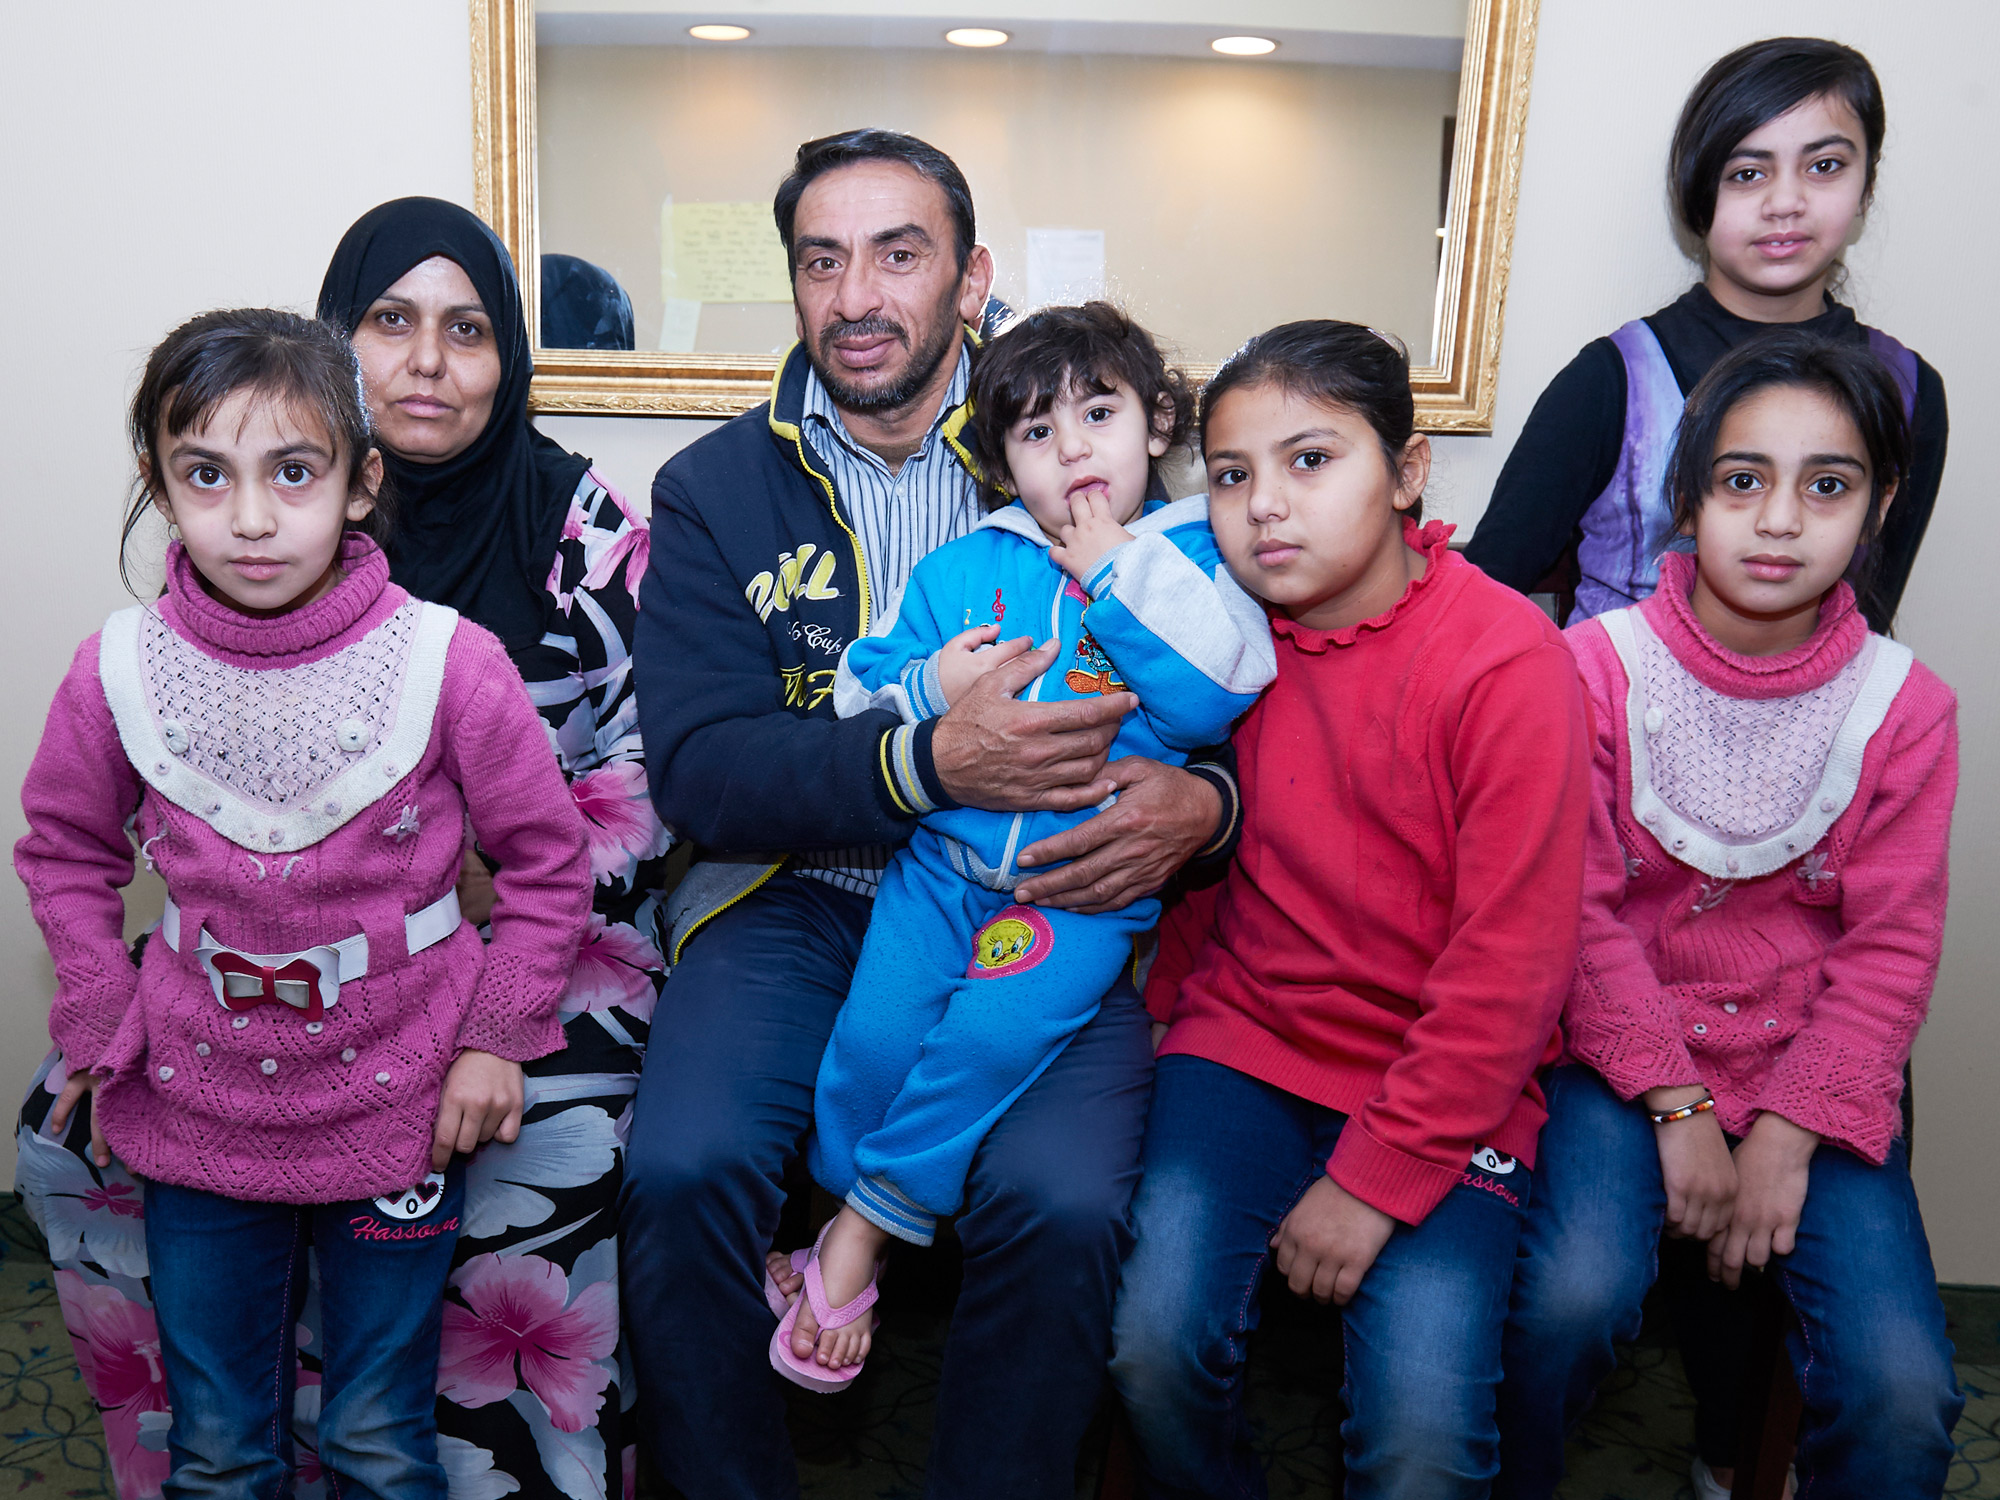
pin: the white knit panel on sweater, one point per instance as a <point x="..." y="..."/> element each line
<point x="1741" y="768"/>
<point x="1739" y="787"/>
<point x="276" y="735"/>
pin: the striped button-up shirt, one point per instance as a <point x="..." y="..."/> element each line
<point x="900" y="517"/>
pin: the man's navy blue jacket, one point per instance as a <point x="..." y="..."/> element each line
<point x="755" y="587"/>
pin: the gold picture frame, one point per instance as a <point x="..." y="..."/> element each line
<point x="1455" y="394"/>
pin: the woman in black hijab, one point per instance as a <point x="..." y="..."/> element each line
<point x="516" y="533"/>
<point x="483" y="504"/>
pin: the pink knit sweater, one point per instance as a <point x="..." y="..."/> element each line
<point x="284" y="731"/>
<point x="1790" y="974"/>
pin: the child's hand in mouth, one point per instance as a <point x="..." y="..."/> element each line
<point x="1092" y="530"/>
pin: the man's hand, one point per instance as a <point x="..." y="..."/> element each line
<point x="1773" y="1167"/>
<point x="995" y="753"/>
<point x="1163" y="814"/>
<point x="80" y="1084"/>
<point x="1326" y="1244"/>
<point x="1695" y="1163"/>
<point x="482" y="1101"/>
<point x="1092" y="532"/>
<point x="961" y="663"/>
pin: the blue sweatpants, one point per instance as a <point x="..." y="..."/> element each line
<point x="960" y="999"/>
<point x="723" y="1103"/>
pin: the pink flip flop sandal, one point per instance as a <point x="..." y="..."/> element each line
<point x="806" y="1372"/>
<point x="780" y="1303"/>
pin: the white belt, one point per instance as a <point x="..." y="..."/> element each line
<point x="310" y="979"/>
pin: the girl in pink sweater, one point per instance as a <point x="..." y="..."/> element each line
<point x="313" y="1035"/>
<point x="1763" y="909"/>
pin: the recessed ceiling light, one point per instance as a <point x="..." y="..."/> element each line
<point x="976" y="36"/>
<point x="1243" y="46"/>
<point x="718" y="33"/>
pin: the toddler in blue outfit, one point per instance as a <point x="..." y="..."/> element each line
<point x="962" y="997"/>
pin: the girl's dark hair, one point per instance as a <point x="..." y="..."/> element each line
<point x="301" y="362"/>
<point x="1095" y="348"/>
<point x="830" y="152"/>
<point x="1329" y="363"/>
<point x="1849" y="375"/>
<point x="1747" y="90"/>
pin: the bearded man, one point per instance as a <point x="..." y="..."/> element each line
<point x="777" y="540"/>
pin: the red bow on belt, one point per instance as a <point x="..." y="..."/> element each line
<point x="298" y="971"/>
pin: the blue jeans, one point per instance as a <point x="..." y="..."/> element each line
<point x="1868" y="1347"/>
<point x="959" y="1001"/>
<point x="724" y="1104"/>
<point x="228" y="1286"/>
<point x="1226" y="1158"/>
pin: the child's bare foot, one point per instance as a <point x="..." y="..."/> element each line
<point x="778" y="1263"/>
<point x="847" y="1258"/>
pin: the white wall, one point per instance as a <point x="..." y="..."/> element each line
<point x="268" y="141"/>
<point x="162" y="160"/>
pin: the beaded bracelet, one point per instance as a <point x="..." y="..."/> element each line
<point x="1685" y="1112"/>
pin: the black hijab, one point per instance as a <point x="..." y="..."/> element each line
<point x="583" y="306"/>
<point x="478" y="532"/>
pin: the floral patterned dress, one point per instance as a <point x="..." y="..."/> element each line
<point x="534" y="1390"/>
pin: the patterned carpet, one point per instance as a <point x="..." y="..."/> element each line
<point x="870" y="1443"/>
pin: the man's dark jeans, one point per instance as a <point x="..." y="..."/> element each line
<point x="723" y="1107"/>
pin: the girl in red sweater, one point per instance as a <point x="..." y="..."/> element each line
<point x="1353" y="1019"/>
<point x="1763" y="909"/>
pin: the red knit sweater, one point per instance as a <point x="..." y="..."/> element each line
<point x="1399" y="929"/>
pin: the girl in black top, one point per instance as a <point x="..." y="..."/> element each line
<point x="1772" y="166"/>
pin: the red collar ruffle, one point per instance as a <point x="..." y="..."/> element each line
<point x="1433" y="540"/>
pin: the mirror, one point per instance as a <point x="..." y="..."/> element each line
<point x="1216" y="166"/>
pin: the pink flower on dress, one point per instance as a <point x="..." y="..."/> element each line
<point x="87" y="1213"/>
<point x="612" y="967"/>
<point x="617" y="499"/>
<point x="624" y="829"/>
<point x="635" y="546"/>
<point x="572" y="529"/>
<point x="518" y="1309"/>
<point x="120" y="1198"/>
<point x="306" y="1464"/>
<point x="634" y="543"/>
<point x="604" y="549"/>
<point x="118" y="1350"/>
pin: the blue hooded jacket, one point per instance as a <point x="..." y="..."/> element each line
<point x="755" y="588"/>
<point x="1159" y="615"/>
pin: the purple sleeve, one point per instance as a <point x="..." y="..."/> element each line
<point x="76" y="860"/>
<point x="524" y="817"/>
